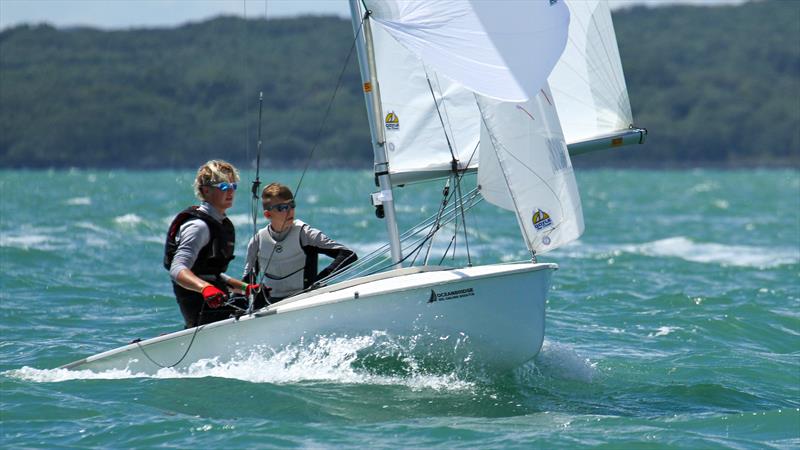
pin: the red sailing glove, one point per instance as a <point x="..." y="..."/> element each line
<point x="213" y="296"/>
<point x="251" y="289"/>
<point x="256" y="288"/>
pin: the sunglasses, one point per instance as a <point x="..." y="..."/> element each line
<point x="282" y="207"/>
<point x="224" y="186"/>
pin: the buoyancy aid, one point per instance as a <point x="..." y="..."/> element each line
<point x="214" y="258"/>
<point x="282" y="262"/>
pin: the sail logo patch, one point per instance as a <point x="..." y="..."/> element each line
<point x="553" y="2"/>
<point x="392" y="121"/>
<point x="541" y="220"/>
<point x="449" y="295"/>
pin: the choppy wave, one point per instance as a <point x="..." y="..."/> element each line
<point x="79" y="201"/>
<point x="689" y="250"/>
<point x="730" y="255"/>
<point x="128" y="219"/>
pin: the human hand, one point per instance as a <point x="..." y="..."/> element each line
<point x="251" y="289"/>
<point x="213" y="296"/>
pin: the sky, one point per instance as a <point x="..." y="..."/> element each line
<point x="116" y="14"/>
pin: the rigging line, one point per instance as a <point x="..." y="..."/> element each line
<point x="376" y="254"/>
<point x="448" y="248"/>
<point x="316" y="140"/>
<point x="496" y="145"/>
<point x="445" y="199"/>
<point x="472" y="193"/>
<point x="454" y="161"/>
<point x="246" y="70"/>
<point x="544" y="182"/>
<point x="328" y="109"/>
<point x="463" y="221"/>
<point x="444" y="106"/>
<point x="188" y="347"/>
<point x="418" y="228"/>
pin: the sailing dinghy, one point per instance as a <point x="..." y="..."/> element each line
<point x="507" y="89"/>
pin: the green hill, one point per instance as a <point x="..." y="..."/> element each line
<point x="714" y="85"/>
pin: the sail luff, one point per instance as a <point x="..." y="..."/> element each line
<point x="363" y="30"/>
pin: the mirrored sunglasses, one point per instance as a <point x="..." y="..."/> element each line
<point x="282" y="207"/>
<point x="224" y="186"/>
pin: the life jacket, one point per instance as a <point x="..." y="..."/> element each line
<point x="283" y="262"/>
<point x="213" y="259"/>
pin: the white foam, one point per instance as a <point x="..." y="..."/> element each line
<point x="663" y="331"/>
<point x="128" y="219"/>
<point x="730" y="255"/>
<point x="340" y="211"/>
<point x="79" y="201"/>
<point x="325" y="359"/>
<point x="238" y="219"/>
<point x="563" y="362"/>
<point x="31" y="241"/>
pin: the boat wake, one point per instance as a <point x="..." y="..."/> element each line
<point x="377" y="359"/>
<point x="561" y="362"/>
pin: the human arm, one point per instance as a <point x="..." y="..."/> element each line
<point x="250" y="272"/>
<point x="314" y="241"/>
<point x="192" y="237"/>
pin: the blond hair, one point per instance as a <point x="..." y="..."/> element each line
<point x="275" y="191"/>
<point x="213" y="172"/>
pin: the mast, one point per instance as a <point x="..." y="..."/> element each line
<point x="369" y="77"/>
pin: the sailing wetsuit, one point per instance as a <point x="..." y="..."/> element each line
<point x="202" y="240"/>
<point x="289" y="259"/>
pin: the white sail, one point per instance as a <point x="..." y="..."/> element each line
<point x="525" y="167"/>
<point x="503" y="49"/>
<point x="416" y="143"/>
<point x="588" y="83"/>
<point x="488" y="47"/>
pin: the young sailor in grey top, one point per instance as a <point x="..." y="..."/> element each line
<point x="200" y="244"/>
<point x="284" y="254"/>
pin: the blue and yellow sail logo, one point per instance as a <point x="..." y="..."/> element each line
<point x="392" y="121"/>
<point x="541" y="220"/>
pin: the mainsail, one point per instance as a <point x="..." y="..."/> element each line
<point x="431" y="56"/>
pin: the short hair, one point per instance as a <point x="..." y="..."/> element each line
<point x="273" y="191"/>
<point x="213" y="172"/>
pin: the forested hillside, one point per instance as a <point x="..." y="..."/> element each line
<point x="714" y="86"/>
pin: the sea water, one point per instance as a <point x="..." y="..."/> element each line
<point x="673" y="322"/>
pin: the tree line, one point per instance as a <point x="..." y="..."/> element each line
<point x="714" y="85"/>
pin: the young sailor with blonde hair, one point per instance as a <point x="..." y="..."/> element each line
<point x="287" y="249"/>
<point x="199" y="246"/>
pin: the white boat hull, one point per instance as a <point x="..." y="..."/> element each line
<point x="493" y="314"/>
